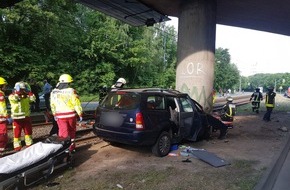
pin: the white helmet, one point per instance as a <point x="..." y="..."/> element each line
<point x="121" y="80"/>
<point x="20" y="85"/>
<point x="230" y="99"/>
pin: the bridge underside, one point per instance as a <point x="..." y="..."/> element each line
<point x="197" y="28"/>
<point x="264" y="15"/>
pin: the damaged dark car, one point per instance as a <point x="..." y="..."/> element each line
<point x="150" y="117"/>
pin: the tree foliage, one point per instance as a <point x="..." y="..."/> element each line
<point x="227" y="75"/>
<point x="43" y="39"/>
<point x="280" y="81"/>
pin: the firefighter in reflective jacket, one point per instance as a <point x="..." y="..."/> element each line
<point x="256" y="98"/>
<point x="270" y="103"/>
<point x="20" y="101"/>
<point x="65" y="106"/>
<point x="229" y="110"/>
<point x="4" y="117"/>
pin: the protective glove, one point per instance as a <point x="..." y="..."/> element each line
<point x="9" y="120"/>
<point x="17" y="97"/>
<point x="81" y="119"/>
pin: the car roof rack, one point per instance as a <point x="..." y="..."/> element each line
<point x="162" y="90"/>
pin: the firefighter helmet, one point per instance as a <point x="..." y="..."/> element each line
<point x="121" y="80"/>
<point x="3" y="81"/>
<point x="230" y="99"/>
<point x="19" y="85"/>
<point x="65" y="78"/>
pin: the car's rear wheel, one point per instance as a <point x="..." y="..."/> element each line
<point x="162" y="146"/>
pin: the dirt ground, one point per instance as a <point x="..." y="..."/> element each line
<point x="250" y="148"/>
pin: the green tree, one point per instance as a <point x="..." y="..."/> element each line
<point x="266" y="80"/>
<point x="227" y="75"/>
<point x="43" y="39"/>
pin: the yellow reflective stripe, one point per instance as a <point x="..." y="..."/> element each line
<point x="267" y="104"/>
<point x="16" y="142"/>
<point x="231" y="112"/>
<point x="28" y="140"/>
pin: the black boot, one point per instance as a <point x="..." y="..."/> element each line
<point x="223" y="135"/>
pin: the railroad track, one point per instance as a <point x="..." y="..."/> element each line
<point x="84" y="133"/>
<point x="238" y="101"/>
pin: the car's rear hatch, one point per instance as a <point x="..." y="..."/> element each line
<point x="119" y="112"/>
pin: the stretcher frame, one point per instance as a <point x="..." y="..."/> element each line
<point x="45" y="167"/>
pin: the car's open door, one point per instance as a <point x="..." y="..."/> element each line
<point x="189" y="120"/>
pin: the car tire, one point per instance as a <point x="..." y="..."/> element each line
<point x="162" y="146"/>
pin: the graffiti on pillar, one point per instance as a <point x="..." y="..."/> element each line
<point x="199" y="96"/>
<point x="193" y="69"/>
<point x="192" y="79"/>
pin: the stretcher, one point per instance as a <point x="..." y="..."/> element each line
<point x="37" y="162"/>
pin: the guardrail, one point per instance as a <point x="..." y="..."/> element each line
<point x="238" y="100"/>
<point x="39" y="118"/>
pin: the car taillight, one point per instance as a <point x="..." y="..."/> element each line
<point x="139" y="121"/>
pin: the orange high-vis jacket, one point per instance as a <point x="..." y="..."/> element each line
<point x="65" y="103"/>
<point x="3" y="108"/>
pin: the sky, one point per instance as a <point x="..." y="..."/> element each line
<point x="251" y="50"/>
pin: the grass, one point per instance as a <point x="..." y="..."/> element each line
<point x="240" y="175"/>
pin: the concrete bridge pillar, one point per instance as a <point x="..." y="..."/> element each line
<point x="196" y="50"/>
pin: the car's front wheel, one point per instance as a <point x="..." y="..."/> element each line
<point x="162" y="146"/>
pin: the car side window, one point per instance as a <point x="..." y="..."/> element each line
<point x="186" y="105"/>
<point x="155" y="102"/>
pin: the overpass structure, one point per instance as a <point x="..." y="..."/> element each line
<point x="263" y="15"/>
<point x="197" y="30"/>
<point x="196" y="42"/>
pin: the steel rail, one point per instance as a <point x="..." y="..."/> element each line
<point x="239" y="100"/>
<point x="39" y="119"/>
